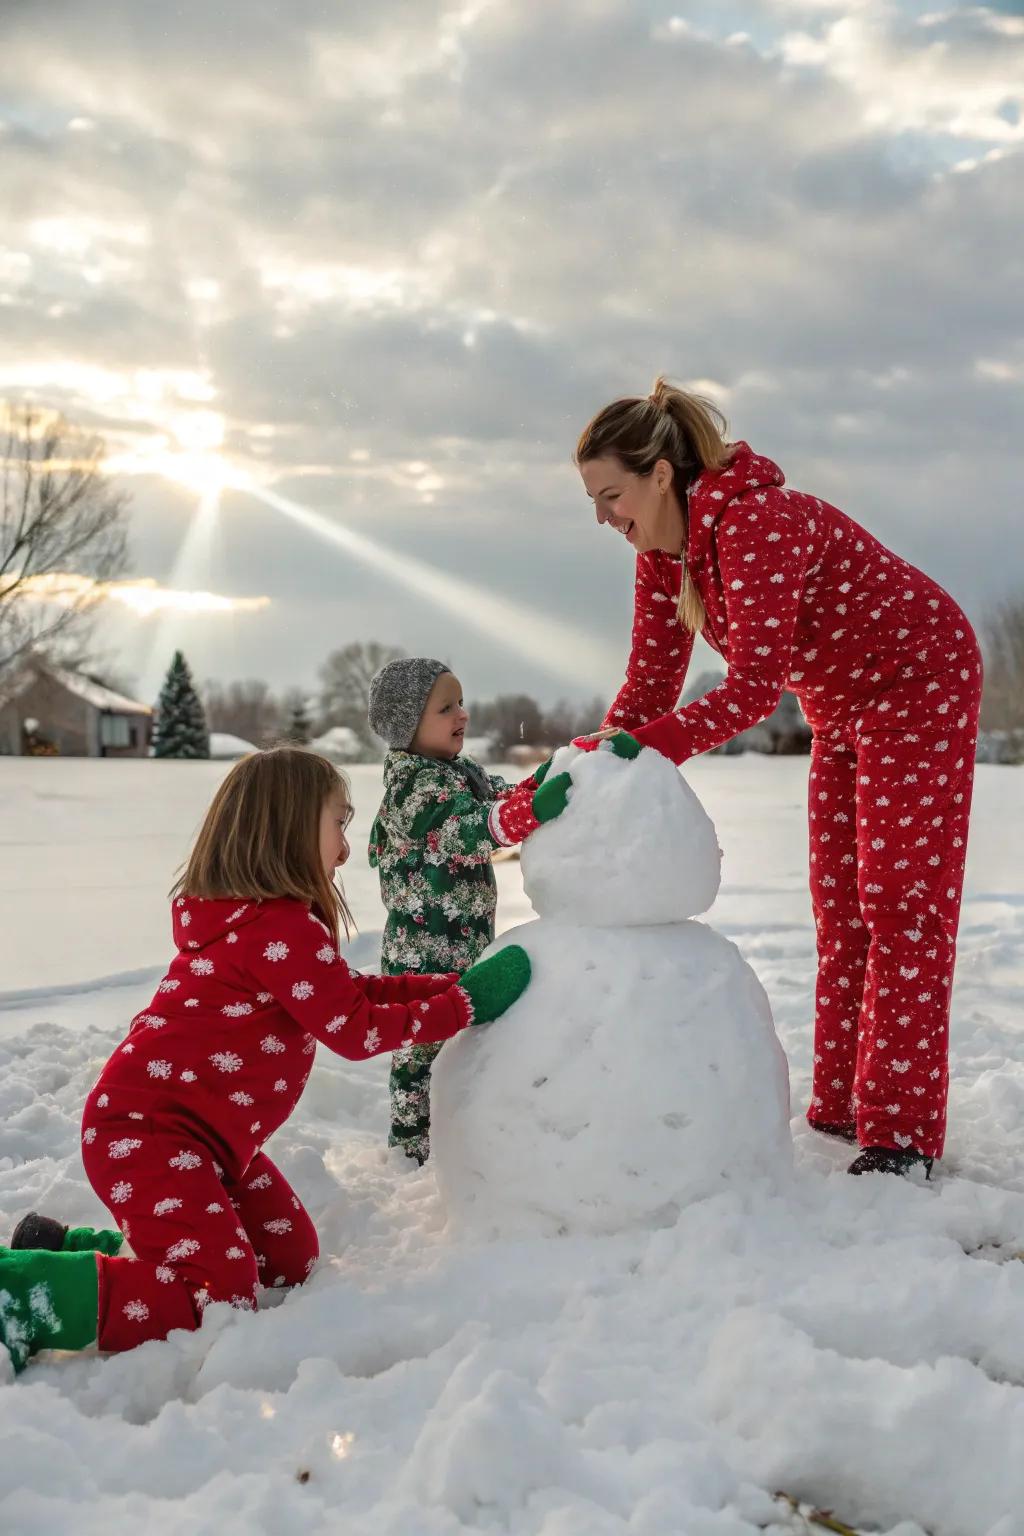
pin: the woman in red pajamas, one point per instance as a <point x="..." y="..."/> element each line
<point x="173" y="1131"/>
<point x="794" y="594"/>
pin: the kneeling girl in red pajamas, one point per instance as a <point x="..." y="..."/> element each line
<point x="173" y="1131"/>
<point x="794" y="594"/>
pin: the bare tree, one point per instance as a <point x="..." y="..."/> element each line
<point x="60" y="521"/>
<point x="247" y="709"/>
<point x="345" y="683"/>
<point x="1002" y="704"/>
<point x="566" y="719"/>
<point x="511" y="720"/>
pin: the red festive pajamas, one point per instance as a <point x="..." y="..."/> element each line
<point x="197" y="1235"/>
<point x="173" y="1131"/>
<point x="888" y="673"/>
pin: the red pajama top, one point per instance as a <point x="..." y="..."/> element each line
<point x="797" y="596"/>
<point x="224" y="1049"/>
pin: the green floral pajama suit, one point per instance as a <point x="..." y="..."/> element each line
<point x="431" y="847"/>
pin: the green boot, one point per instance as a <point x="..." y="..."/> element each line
<point x="494" y="984"/>
<point x="47" y="1301"/>
<point x="35" y="1231"/>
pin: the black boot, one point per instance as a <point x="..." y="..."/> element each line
<point x="35" y="1231"/>
<point x="889" y="1160"/>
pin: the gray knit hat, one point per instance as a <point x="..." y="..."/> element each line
<point x="398" y="697"/>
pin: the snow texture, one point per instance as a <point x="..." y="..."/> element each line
<point x="857" y="1342"/>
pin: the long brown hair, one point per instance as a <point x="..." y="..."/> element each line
<point x="671" y="424"/>
<point x="261" y="836"/>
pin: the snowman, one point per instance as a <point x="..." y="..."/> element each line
<point x="640" y="1070"/>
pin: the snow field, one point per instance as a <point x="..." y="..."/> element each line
<point x="857" y="1342"/>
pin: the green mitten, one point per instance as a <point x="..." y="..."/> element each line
<point x="494" y="984"/>
<point x="542" y="772"/>
<point x="624" y="745"/>
<point x="552" y="797"/>
<point x="47" y="1301"/>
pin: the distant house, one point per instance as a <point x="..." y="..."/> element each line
<point x="46" y="710"/>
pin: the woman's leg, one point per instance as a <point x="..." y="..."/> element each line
<point x="914" y="799"/>
<point x="841" y="935"/>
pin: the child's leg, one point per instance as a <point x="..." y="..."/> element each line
<point x="409" y="1085"/>
<point x="170" y="1202"/>
<point x="278" y="1225"/>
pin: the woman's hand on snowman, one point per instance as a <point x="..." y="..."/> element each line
<point x="618" y="741"/>
<point x="494" y="984"/>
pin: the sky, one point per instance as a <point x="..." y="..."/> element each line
<point x="340" y="284"/>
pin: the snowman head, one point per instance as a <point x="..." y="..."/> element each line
<point x="633" y="847"/>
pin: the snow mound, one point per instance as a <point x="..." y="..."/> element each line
<point x="639" y="1072"/>
<point x="634" y="845"/>
<point x="224" y="747"/>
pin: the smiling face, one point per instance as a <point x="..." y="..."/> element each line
<point x="442" y="728"/>
<point x="335" y="815"/>
<point x="643" y="508"/>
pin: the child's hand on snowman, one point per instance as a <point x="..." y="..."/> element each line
<point x="611" y="739"/>
<point x="492" y="985"/>
<point x="529" y="807"/>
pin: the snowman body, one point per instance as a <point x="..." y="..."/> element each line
<point x="640" y="1069"/>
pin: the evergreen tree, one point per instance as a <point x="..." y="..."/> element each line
<point x="299" y="727"/>
<point x="180" y="722"/>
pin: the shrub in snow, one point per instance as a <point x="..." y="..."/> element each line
<point x="640" y="1070"/>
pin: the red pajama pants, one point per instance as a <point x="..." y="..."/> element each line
<point x="889" y="800"/>
<point x="197" y="1235"/>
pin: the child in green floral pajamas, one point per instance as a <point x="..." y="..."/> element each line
<point x="431" y="843"/>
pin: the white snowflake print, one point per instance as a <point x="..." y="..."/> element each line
<point x="183" y="1248"/>
<point x="333" y="1025"/>
<point x="185" y="1160"/>
<point x="162" y="1207"/>
<point x="278" y="1224"/>
<point x="121" y="1192"/>
<point x="214" y="1208"/>
<point x="153" y="1019"/>
<point x="102" y="1101"/>
<point x="326" y="954"/>
<point x="372" y="1040"/>
<point x="261" y="1181"/>
<point x="232" y="938"/>
<point x="272" y="1045"/>
<point x="302" y="990"/>
<point x="169" y="985"/>
<point x="226" y="1061"/>
<point x="281" y="1085"/>
<point x="241" y="1098"/>
<point x="234" y="1252"/>
<point x="124" y="1146"/>
<point x="137" y="1311"/>
<point x="185" y="919"/>
<point x="187" y="1076"/>
<point x="276" y="951"/>
<point x="165" y="1274"/>
<point x="200" y="966"/>
<point x="264" y="997"/>
<point x="191" y="1002"/>
<point x="237" y="913"/>
<point x="158" y="1068"/>
<point x="236" y="1010"/>
<point x="89" y="1135"/>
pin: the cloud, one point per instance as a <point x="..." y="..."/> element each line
<point x="404" y="251"/>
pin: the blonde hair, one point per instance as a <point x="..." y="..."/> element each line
<point x="260" y="839"/>
<point x="671" y="424"/>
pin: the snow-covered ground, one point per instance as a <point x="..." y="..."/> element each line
<point x="858" y="1343"/>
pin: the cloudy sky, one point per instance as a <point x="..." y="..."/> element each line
<point x="340" y="283"/>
